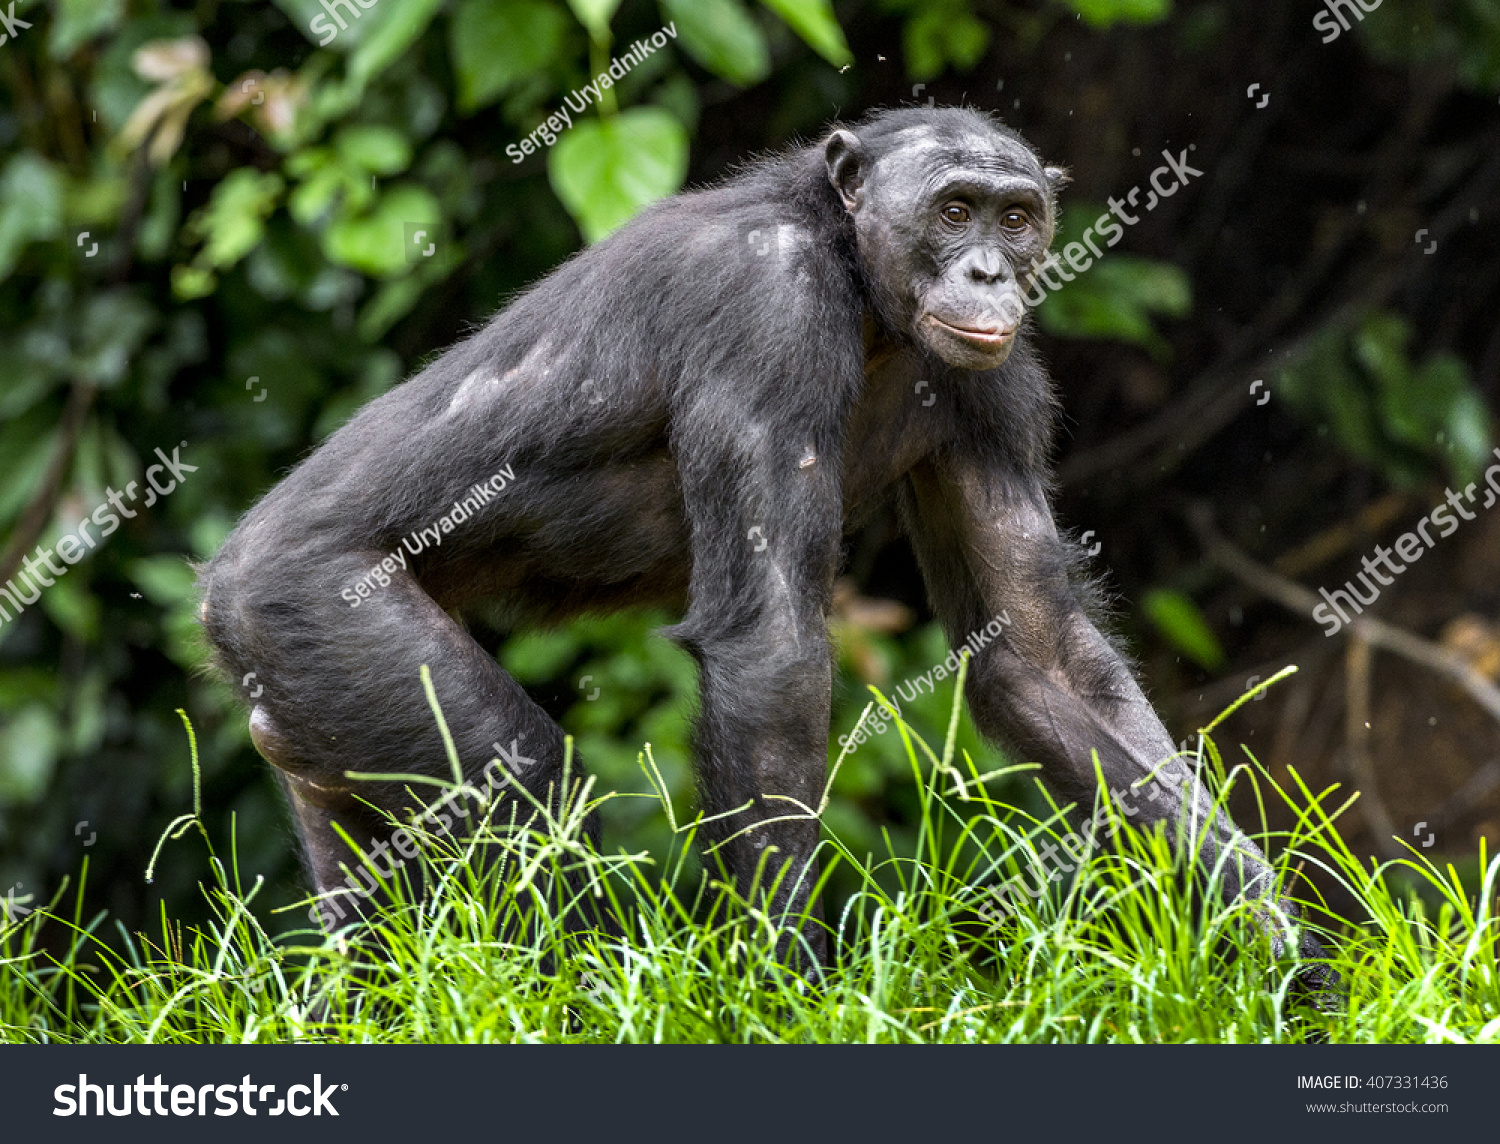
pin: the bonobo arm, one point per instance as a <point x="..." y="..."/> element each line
<point x="761" y="486"/>
<point x="1051" y="687"/>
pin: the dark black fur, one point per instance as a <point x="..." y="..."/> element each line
<point x="740" y="358"/>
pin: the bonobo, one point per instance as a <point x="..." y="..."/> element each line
<point x="696" y="412"/>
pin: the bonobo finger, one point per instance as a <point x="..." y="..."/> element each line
<point x="1319" y="983"/>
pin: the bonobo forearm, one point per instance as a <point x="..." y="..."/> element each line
<point x="1083" y="700"/>
<point x="1054" y="688"/>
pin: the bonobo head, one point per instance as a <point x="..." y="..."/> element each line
<point x="950" y="210"/>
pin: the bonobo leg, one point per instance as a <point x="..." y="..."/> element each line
<point x="761" y="485"/>
<point x="341" y="691"/>
<point x="1051" y="687"/>
<point x="761" y="764"/>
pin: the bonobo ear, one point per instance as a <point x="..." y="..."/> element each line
<point x="845" y="156"/>
<point x="1057" y="178"/>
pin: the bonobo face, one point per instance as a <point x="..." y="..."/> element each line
<point x="948" y="222"/>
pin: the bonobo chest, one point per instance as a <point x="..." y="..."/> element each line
<point x="900" y="417"/>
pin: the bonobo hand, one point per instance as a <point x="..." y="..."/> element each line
<point x="1318" y="983"/>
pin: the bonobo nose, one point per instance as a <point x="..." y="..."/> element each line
<point x="984" y="265"/>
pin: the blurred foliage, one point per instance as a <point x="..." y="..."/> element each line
<point x="1460" y="34"/>
<point x="225" y="226"/>
<point x="1183" y="626"/>
<point x="1118" y="296"/>
<point x="1395" y="414"/>
<point x="1103" y="13"/>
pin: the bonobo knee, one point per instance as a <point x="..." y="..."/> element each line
<point x="257" y="603"/>
<point x="260" y="637"/>
<point x="224" y="587"/>
<point x="793" y="669"/>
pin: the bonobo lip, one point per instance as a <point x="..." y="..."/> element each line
<point x="982" y="339"/>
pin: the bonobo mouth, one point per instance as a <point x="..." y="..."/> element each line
<point x="981" y="339"/>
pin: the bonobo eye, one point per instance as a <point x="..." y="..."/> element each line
<point x="956" y="213"/>
<point x="1015" y="220"/>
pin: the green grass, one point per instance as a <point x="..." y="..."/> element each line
<point x="1132" y="948"/>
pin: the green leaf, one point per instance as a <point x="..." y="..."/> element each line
<point x="31" y="199"/>
<point x="814" y="21"/>
<point x="942" y="34"/>
<point x="26" y="446"/>
<point x="112" y="328"/>
<point x="1104" y="13"/>
<point x="604" y="171"/>
<point x="1116" y="297"/>
<point x="1380" y="346"/>
<point x="171" y="583"/>
<point x="395" y="298"/>
<point x="304" y="13"/>
<point x="1454" y="37"/>
<point x="1183" y="625"/>
<point x="28" y="376"/>
<point x="495" y="46"/>
<point x="234" y="220"/>
<point x="165" y="580"/>
<point x="310" y="161"/>
<point x="79" y="21"/>
<point x="1381" y="408"/>
<point x="723" y="37"/>
<point x="376" y="243"/>
<point x="192" y="282"/>
<point x="71" y="605"/>
<point x="89" y="718"/>
<point x="1432" y="409"/>
<point x="539" y="656"/>
<point x="401" y="25"/>
<point x="28" y="753"/>
<point x="377" y="150"/>
<point x="315" y="197"/>
<point x="595" y="15"/>
<point x="1466" y="423"/>
<point x="98" y="200"/>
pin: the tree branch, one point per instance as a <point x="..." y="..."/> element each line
<point x="35" y="516"/>
<point x="1297" y="599"/>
